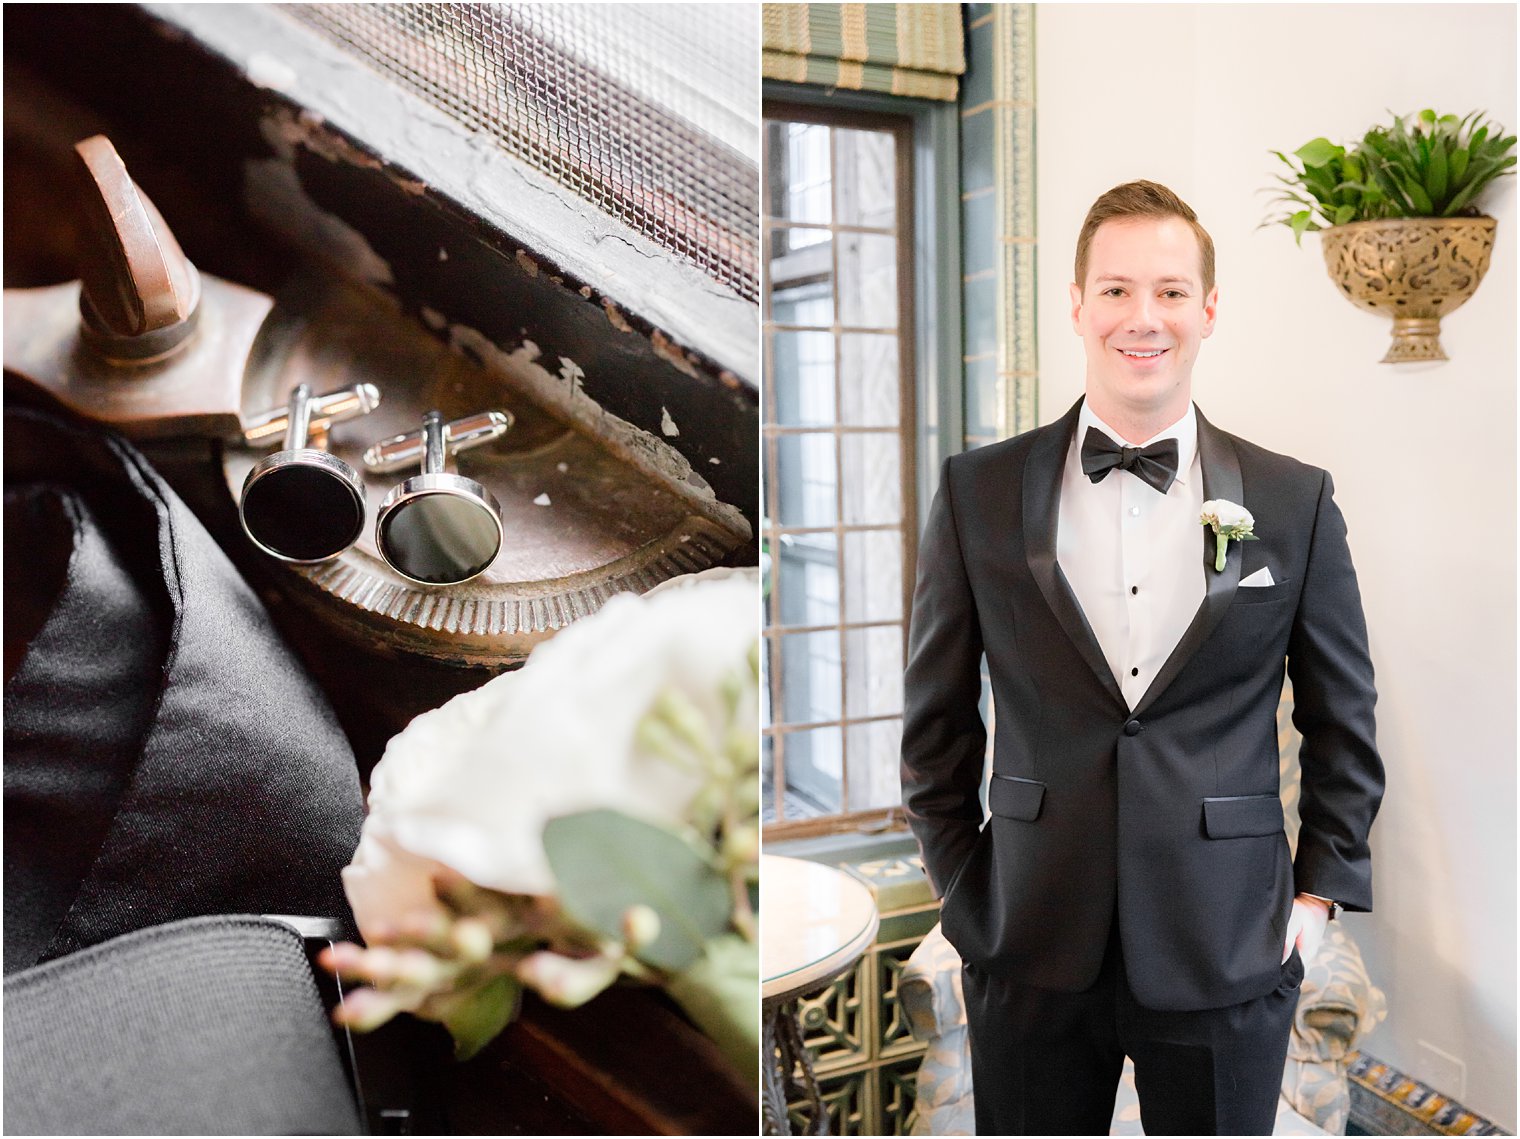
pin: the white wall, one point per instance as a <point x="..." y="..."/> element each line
<point x="1423" y="455"/>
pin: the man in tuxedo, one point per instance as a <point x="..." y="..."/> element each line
<point x="1131" y="890"/>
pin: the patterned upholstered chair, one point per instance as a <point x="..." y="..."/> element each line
<point x="1337" y="1006"/>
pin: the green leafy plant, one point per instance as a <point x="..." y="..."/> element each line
<point x="1434" y="167"/>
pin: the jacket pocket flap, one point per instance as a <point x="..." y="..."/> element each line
<point x="1242" y="816"/>
<point x="1011" y="798"/>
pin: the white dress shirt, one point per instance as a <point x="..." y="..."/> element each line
<point x="1133" y="556"/>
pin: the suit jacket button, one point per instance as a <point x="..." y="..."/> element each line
<point x="1132" y="728"/>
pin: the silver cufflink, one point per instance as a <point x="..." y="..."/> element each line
<point x="302" y="504"/>
<point x="438" y="528"/>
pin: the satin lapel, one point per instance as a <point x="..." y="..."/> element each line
<point x="1221" y="479"/>
<point x="1042" y="504"/>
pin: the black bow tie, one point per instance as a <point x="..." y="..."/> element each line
<point x="1156" y="464"/>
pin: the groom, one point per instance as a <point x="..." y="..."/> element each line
<point x="1132" y="892"/>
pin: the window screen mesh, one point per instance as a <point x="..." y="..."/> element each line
<point x="648" y="111"/>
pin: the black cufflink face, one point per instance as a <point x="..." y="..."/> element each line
<point x="438" y="528"/>
<point x="302" y="504"/>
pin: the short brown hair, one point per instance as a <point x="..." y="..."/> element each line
<point x="1143" y="200"/>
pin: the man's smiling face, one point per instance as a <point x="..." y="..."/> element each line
<point x="1142" y="316"/>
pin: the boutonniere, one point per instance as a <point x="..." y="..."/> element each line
<point x="1229" y="520"/>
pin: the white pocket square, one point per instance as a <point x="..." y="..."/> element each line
<point x="1261" y="577"/>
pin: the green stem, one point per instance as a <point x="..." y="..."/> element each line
<point x="744" y="916"/>
<point x="1221" y="544"/>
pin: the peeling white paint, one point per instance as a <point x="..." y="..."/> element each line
<point x="570" y="372"/>
<point x="443" y="255"/>
<point x="542" y="500"/>
<point x="562" y="468"/>
<point x="568" y="402"/>
<point x="668" y="425"/>
<point x="715" y="461"/>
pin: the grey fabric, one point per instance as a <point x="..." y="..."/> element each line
<point x="204" y="1026"/>
<point x="166" y="754"/>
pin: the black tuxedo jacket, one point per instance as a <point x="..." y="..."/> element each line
<point x="1171" y="810"/>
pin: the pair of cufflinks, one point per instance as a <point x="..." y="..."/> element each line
<point x="305" y="505"/>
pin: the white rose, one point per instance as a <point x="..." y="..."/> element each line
<point x="1226" y="514"/>
<point x="470" y="785"/>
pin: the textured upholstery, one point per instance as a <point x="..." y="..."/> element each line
<point x="209" y="1025"/>
<point x="930" y="993"/>
<point x="1338" y="1004"/>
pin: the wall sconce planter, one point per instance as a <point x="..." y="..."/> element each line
<point x="1415" y="270"/>
<point x="1399" y="217"/>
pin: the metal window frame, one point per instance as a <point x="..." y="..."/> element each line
<point x="435" y="151"/>
<point x="935" y="419"/>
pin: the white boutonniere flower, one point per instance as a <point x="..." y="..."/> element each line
<point x="593" y="815"/>
<point x="1229" y="520"/>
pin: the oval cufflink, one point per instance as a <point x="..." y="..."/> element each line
<point x="302" y="504"/>
<point x="438" y="528"/>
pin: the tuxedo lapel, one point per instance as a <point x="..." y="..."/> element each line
<point x="1221" y="479"/>
<point x="1042" y="503"/>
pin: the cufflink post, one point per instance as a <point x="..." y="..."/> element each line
<point x="302" y="504"/>
<point x="438" y="528"/>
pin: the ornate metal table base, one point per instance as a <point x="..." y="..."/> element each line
<point x="785" y="1053"/>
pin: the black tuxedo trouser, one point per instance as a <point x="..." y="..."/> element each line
<point x="1048" y="1063"/>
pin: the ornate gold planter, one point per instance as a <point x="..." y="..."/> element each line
<point x="1414" y="269"/>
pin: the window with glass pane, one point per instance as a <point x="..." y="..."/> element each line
<point x="839" y="515"/>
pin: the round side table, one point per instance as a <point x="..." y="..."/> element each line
<point x="815" y="923"/>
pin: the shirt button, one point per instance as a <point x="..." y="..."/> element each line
<point x="1132" y="728"/>
<point x="1134" y="512"/>
<point x="1134" y="589"/>
<point x="1134" y="672"/>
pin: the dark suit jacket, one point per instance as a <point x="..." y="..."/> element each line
<point x="1171" y="810"/>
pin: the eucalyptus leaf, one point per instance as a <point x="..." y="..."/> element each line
<point x="475" y="1016"/>
<point x="721" y="993"/>
<point x="606" y="862"/>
